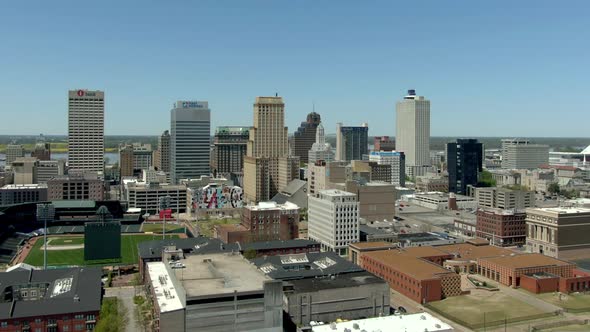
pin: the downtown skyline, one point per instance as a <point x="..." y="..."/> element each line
<point x="478" y="65"/>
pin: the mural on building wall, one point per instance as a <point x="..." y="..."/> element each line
<point x="217" y="197"/>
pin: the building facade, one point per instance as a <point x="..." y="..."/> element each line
<point x="521" y="154"/>
<point x="25" y="170"/>
<point x="320" y="150"/>
<point x="86" y="130"/>
<point x="42" y="151"/>
<point x="163" y="154"/>
<point x="305" y="136"/>
<point x="146" y="196"/>
<point x="190" y="130"/>
<point x="48" y="169"/>
<point x="413" y="132"/>
<point x="352" y="143"/>
<point x="464" y="163"/>
<point x="333" y="220"/>
<point x="383" y="143"/>
<point x="397" y="161"/>
<point x="500" y="227"/>
<point x="75" y="187"/>
<point x="14" y="151"/>
<point x="17" y="194"/>
<point x="558" y="232"/>
<point x="229" y="149"/>
<point x="376" y="199"/>
<point x="504" y="198"/>
<point x="267" y="165"/>
<point x="126" y="160"/>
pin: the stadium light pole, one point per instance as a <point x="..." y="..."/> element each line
<point x="45" y="211"/>
<point x="164" y="204"/>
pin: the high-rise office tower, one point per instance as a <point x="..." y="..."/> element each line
<point x="42" y="150"/>
<point x="267" y="165"/>
<point x="412" y="136"/>
<point x="230" y="145"/>
<point x="86" y="130"/>
<point x="126" y="160"/>
<point x="190" y="140"/>
<point x="305" y="136"/>
<point x="320" y="150"/>
<point x="521" y="154"/>
<point x="352" y="143"/>
<point x="14" y="151"/>
<point x="464" y="163"/>
<point x="163" y="155"/>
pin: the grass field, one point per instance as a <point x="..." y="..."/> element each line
<point x="576" y="302"/>
<point x="206" y="227"/>
<point x="65" y="241"/>
<point x="157" y="228"/>
<point x="76" y="256"/>
<point x="494" y="306"/>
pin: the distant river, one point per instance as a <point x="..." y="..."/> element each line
<point x="113" y="157"/>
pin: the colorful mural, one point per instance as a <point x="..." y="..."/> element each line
<point x="214" y="196"/>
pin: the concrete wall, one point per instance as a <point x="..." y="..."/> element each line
<point x="327" y="305"/>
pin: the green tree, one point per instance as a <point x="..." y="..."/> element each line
<point x="250" y="254"/>
<point x="553" y="188"/>
<point x="486" y="180"/>
<point x="113" y="316"/>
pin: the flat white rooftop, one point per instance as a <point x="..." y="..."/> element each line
<point x="165" y="293"/>
<point x="24" y="186"/>
<point x="211" y="275"/>
<point x="422" y="322"/>
<point x="336" y="192"/>
<point x="272" y="206"/>
<point x="561" y="210"/>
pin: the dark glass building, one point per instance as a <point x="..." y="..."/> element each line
<point x="304" y="137"/>
<point x="464" y="160"/>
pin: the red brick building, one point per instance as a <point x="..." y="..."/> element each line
<point x="383" y="143"/>
<point x="419" y="279"/>
<point x="266" y="221"/>
<point x="53" y="300"/>
<point x="501" y="227"/>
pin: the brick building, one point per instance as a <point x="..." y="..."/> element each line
<point x="53" y="300"/>
<point x="383" y="143"/>
<point x="419" y="279"/>
<point x="502" y="227"/>
<point x="266" y="221"/>
<point x="75" y="187"/>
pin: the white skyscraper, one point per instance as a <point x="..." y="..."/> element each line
<point x="320" y="150"/>
<point x="413" y="132"/>
<point x="190" y="140"/>
<point x="334" y="219"/>
<point x="86" y="130"/>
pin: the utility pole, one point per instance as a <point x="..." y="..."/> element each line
<point x="164" y="204"/>
<point x="45" y="212"/>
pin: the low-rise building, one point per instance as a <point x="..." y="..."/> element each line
<point x="23" y="193"/>
<point x="52" y="300"/>
<point x="501" y="227"/>
<point x="266" y="221"/>
<point x="146" y="196"/>
<point x="558" y="232"/>
<point x="325" y="287"/>
<point x="440" y="201"/>
<point x="465" y="226"/>
<point x="356" y="250"/>
<point x="431" y="183"/>
<point x="76" y="187"/>
<point x="419" y="322"/>
<point x="376" y="199"/>
<point x="214" y="292"/>
<point x="24" y="170"/>
<point x="504" y="198"/>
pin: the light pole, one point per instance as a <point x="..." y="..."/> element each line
<point x="164" y="204"/>
<point x="45" y="211"/>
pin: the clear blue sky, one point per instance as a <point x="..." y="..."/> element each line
<point x="495" y="68"/>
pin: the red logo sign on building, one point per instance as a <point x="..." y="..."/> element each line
<point x="80" y="93"/>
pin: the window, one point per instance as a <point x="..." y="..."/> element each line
<point x="79" y="327"/>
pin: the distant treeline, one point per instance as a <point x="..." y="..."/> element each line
<point x="112" y="142"/>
